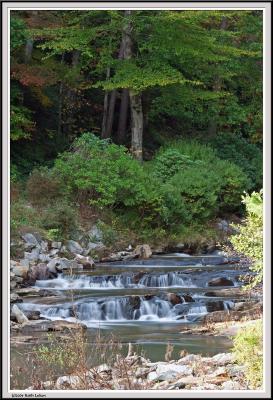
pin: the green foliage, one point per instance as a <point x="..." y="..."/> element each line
<point x="18" y="32"/>
<point x="54" y="234"/>
<point x="196" y="183"/>
<point x="248" y="350"/>
<point x="168" y="163"/>
<point x="103" y="174"/>
<point x="249" y="241"/>
<point x="248" y="156"/>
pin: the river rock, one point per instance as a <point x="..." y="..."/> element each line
<point x="65" y="264"/>
<point x="86" y="262"/>
<point x="103" y="368"/>
<point x="53" y="252"/>
<point x="33" y="256"/>
<point x="223" y="358"/>
<point x="44" y="258"/>
<point x="95" y="234"/>
<point x="215" y="306"/>
<point x="231" y="385"/>
<point x="13" y="285"/>
<point x="221" y="282"/>
<point x="42" y="325"/>
<point x="74" y="247"/>
<point x="31" y="240"/>
<point x="24" y="262"/>
<point x="32" y="315"/>
<point x="39" y="272"/>
<point x="56" y="245"/>
<point x="19" y="315"/>
<point x="143" y="251"/>
<point x="15" y="298"/>
<point x="21" y="271"/>
<point x="169" y="372"/>
<point x="71" y="381"/>
<point x="174" y="298"/>
<point x="187" y="298"/>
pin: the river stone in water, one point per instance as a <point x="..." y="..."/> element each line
<point x="221" y="282"/>
<point x="143" y="251"/>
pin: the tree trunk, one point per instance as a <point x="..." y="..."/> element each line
<point x="135" y="98"/>
<point x="105" y="108"/>
<point x="123" y="116"/>
<point x="60" y="108"/>
<point x="137" y="125"/>
<point x="28" y="50"/>
<point x="212" y="128"/>
<point x="108" y="124"/>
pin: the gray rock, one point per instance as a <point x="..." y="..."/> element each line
<point x="72" y="381"/>
<point x="30" y="240"/>
<point x="34" y="255"/>
<point x="190" y="358"/>
<point x="74" y="247"/>
<point x="21" y="271"/>
<point x="11" y="275"/>
<point x="56" y="245"/>
<point x="44" y="246"/>
<point x="103" y="368"/>
<point x="169" y="372"/>
<point x="14" y="298"/>
<point x="143" y="251"/>
<point x="95" y="234"/>
<point x="86" y="262"/>
<point x="18" y="279"/>
<point x="44" y="258"/>
<point x="231" y="385"/>
<point x="19" y="315"/>
<point x="13" y="284"/>
<point x="223" y="358"/>
<point x="53" y="252"/>
<point x="24" y="262"/>
<point x="64" y="263"/>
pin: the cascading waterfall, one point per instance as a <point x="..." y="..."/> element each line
<point x="117" y="309"/>
<point x="80" y="282"/>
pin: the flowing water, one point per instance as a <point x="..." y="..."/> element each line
<point x="144" y="302"/>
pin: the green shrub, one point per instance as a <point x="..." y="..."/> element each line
<point x="249" y="241"/>
<point x="248" y="350"/>
<point x="233" y="183"/>
<point x="169" y="162"/>
<point x="191" y="194"/>
<point x="103" y="174"/>
<point x="238" y="150"/>
<point x="197" y="183"/>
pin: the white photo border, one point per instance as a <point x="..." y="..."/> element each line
<point x="265" y="6"/>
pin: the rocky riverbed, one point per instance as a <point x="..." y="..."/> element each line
<point x="149" y="299"/>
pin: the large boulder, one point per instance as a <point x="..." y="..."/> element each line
<point x="39" y="272"/>
<point x="222" y="281"/>
<point x="74" y="247"/>
<point x="143" y="251"/>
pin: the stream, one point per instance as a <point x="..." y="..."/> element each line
<point x="143" y="302"/>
